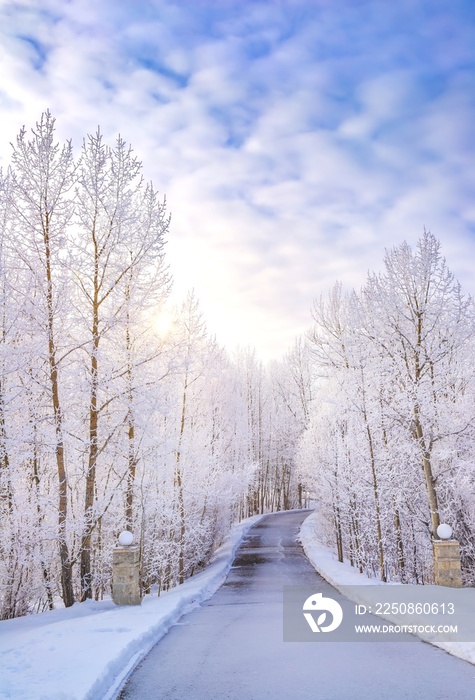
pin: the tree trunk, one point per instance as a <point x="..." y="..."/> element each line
<point x="376" y="502"/>
<point x="131" y="456"/>
<point x="428" y="474"/>
<point x="86" y="571"/>
<point x="66" y="568"/>
<point x="179" y="483"/>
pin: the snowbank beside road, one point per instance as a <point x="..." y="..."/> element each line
<point x="86" y="652"/>
<point x="343" y="575"/>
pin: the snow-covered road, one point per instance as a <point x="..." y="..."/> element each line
<point x="231" y="648"/>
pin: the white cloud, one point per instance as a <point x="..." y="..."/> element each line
<point x="292" y="148"/>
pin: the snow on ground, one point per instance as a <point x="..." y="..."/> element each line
<point x="85" y="652"/>
<point x="342" y="575"/>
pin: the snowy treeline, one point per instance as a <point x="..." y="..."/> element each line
<point x="390" y="446"/>
<point x="109" y="417"/>
<point x="117" y="411"/>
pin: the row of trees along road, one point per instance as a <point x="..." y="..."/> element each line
<point x="107" y="421"/>
<point x="112" y="419"/>
<point x="392" y="430"/>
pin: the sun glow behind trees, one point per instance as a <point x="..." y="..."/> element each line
<point x="114" y="411"/>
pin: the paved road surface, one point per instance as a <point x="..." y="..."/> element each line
<point x="231" y="648"/>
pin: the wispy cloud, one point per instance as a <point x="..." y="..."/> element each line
<point x="294" y="140"/>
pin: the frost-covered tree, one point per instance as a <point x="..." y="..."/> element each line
<point x="417" y="317"/>
<point x="391" y="429"/>
<point x="118" y="264"/>
<point x="42" y="178"/>
<point x="106" y="423"/>
<point x="200" y="470"/>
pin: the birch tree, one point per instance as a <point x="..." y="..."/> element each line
<point x="417" y="315"/>
<point x="43" y="176"/>
<point x="120" y="272"/>
<point x="394" y="414"/>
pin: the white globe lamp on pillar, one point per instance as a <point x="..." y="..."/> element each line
<point x="444" y="531"/>
<point x="126" y="538"/>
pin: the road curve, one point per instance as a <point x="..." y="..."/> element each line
<point x="231" y="648"/>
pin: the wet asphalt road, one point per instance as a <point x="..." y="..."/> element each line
<point x="232" y="648"/>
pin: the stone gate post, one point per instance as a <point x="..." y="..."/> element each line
<point x="447" y="567"/>
<point x="126" y="572"/>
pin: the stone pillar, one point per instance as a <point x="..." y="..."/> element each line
<point x="447" y="569"/>
<point x="125" y="576"/>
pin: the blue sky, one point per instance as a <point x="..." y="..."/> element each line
<point x="295" y="139"/>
